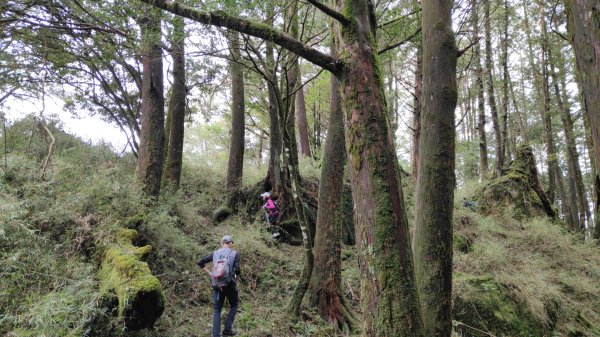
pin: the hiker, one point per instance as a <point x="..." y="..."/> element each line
<point x="225" y="269"/>
<point x="270" y="207"/>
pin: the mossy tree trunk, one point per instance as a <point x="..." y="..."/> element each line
<point x="436" y="181"/>
<point x="176" y="114"/>
<point x="325" y="284"/>
<point x="235" y="163"/>
<point x="152" y="135"/>
<point x="389" y="299"/>
<point x="583" y="26"/>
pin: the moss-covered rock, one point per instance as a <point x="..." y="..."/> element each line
<point x="518" y="189"/>
<point x="484" y="307"/>
<point x="123" y="274"/>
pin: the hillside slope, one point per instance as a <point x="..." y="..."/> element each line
<point x="512" y="278"/>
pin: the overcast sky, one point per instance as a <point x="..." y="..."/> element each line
<point x="88" y="128"/>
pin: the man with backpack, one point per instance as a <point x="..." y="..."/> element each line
<point x="270" y="207"/>
<point x="223" y="277"/>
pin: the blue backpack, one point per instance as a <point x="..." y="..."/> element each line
<point x="222" y="273"/>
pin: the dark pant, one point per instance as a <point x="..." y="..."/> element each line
<point x="231" y="293"/>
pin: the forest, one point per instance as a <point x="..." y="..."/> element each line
<point x="435" y="164"/>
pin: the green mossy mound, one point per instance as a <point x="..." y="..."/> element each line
<point x="221" y="213"/>
<point x="123" y="274"/>
<point x="518" y="189"/>
<point x="484" y="307"/>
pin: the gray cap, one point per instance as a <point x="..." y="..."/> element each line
<point x="266" y="194"/>
<point x="227" y="239"/>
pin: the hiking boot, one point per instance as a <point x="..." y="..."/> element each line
<point x="229" y="333"/>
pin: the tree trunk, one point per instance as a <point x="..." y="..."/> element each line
<point x="505" y="76"/>
<point x="273" y="181"/>
<point x="434" y="200"/>
<point x="554" y="173"/>
<point x="489" y="65"/>
<point x="389" y="299"/>
<point x="483" y="155"/>
<point x="583" y="23"/>
<point x="325" y="284"/>
<point x="567" y="124"/>
<point x="152" y="136"/>
<point x="176" y="124"/>
<point x="584" y="208"/>
<point x="235" y="165"/>
<point x="301" y="120"/>
<point x="416" y="125"/>
<point x="290" y="161"/>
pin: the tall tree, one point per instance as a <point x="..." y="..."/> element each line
<point x="416" y="124"/>
<point x="302" y="122"/>
<point x="236" y="150"/>
<point x="152" y="136"/>
<point x="176" y="109"/>
<point x="489" y="67"/>
<point x="584" y="28"/>
<point x="325" y="284"/>
<point x="555" y="183"/>
<point x="436" y="181"/>
<point x="483" y="155"/>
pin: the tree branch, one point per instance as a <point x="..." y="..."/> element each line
<point x="260" y="30"/>
<point x="398" y="44"/>
<point x="330" y="12"/>
<point x="464" y="50"/>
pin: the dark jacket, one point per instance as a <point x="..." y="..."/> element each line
<point x="209" y="258"/>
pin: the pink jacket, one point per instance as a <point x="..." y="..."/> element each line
<point x="269" y="206"/>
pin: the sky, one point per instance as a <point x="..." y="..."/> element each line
<point x="88" y="128"/>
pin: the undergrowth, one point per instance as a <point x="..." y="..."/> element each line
<point x="530" y="275"/>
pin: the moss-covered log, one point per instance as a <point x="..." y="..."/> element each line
<point x="123" y="274"/>
<point x="518" y="189"/>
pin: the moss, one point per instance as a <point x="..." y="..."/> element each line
<point x="122" y="274"/>
<point x="221" y="213"/>
<point x="485" y="307"/>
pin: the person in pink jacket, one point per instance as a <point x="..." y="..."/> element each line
<point x="270" y="207"/>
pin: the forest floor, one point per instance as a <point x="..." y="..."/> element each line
<point x="511" y="278"/>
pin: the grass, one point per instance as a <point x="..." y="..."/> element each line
<point x="50" y="232"/>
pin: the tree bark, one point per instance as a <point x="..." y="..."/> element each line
<point x="303" y="143"/>
<point x="483" y="154"/>
<point x="325" y="284"/>
<point x="176" y="124"/>
<point x="152" y="136"/>
<point x="436" y="181"/>
<point x="572" y="155"/>
<point x="389" y="299"/>
<point x="583" y="23"/>
<point x="235" y="164"/>
<point x="505" y="76"/>
<point x="584" y="208"/>
<point x="489" y="65"/>
<point x="416" y="125"/>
